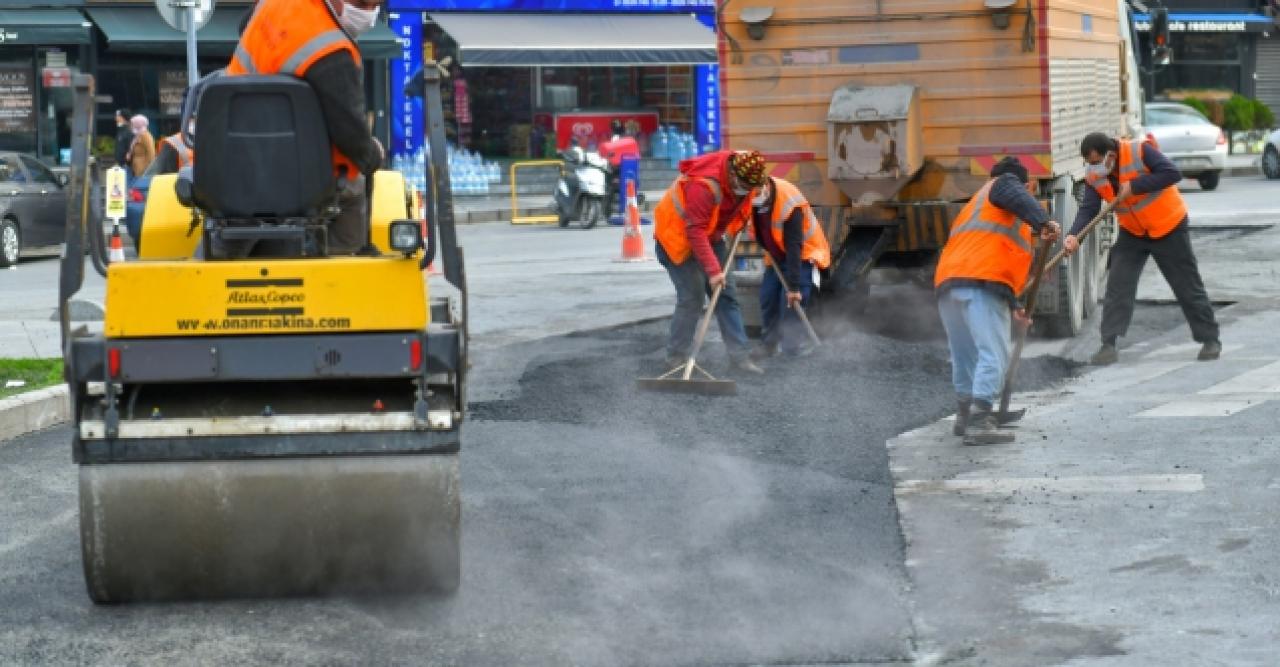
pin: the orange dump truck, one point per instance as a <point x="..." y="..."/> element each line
<point x="889" y="116"/>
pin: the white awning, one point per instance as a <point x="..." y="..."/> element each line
<point x="507" y="40"/>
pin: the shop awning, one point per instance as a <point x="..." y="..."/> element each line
<point x="578" y="39"/>
<point x="46" y="27"/>
<point x="140" y="29"/>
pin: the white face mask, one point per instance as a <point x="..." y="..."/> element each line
<point x="761" y="198"/>
<point x="1103" y="169"/>
<point x="358" y="21"/>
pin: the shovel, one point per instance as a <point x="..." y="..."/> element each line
<point x="707" y="384"/>
<point x="813" y="335"/>
<point x="1041" y="268"/>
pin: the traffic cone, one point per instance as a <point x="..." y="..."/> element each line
<point x="632" y="237"/>
<point x="116" y="253"/>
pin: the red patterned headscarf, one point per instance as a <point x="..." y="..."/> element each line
<point x="748" y="166"/>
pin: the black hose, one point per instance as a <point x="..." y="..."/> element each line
<point x="97" y="245"/>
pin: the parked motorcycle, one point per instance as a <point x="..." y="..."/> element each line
<point x="582" y="191"/>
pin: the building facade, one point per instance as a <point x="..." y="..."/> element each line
<point x="137" y="60"/>
<point x="1222" y="45"/>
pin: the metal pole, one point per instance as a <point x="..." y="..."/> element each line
<point x="193" y="72"/>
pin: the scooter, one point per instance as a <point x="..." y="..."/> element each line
<point x="582" y="191"/>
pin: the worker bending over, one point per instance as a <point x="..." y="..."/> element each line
<point x="792" y="239"/>
<point x="984" y="267"/>
<point x="1153" y="222"/>
<point x="710" y="198"/>
<point x="314" y="40"/>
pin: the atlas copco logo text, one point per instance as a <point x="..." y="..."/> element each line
<point x="272" y="298"/>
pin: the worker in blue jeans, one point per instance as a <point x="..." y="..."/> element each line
<point x="691" y="283"/>
<point x="981" y="274"/>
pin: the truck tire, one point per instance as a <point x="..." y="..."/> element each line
<point x="1068" y="318"/>
<point x="1094" y="265"/>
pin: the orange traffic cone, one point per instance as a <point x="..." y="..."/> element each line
<point x="116" y="252"/>
<point x="632" y="237"/>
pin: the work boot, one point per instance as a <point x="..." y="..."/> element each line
<point x="983" y="427"/>
<point x="745" y="365"/>
<point x="1105" y="356"/>
<point x="962" y="416"/>
<point x="1209" y="351"/>
<point x="764" y="351"/>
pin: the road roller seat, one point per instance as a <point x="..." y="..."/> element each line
<point x="264" y="170"/>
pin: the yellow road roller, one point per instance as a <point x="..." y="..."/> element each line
<point x="275" y="420"/>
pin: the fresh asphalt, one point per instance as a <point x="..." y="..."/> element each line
<point x="602" y="525"/>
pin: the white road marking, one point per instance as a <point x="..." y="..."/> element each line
<point x="1138" y="373"/>
<point x="1200" y="408"/>
<point x="1265" y="380"/>
<point x="1185" y="483"/>
<point x="1188" y="349"/>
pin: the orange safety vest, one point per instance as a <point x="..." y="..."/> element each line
<point x="671" y="225"/>
<point x="786" y="198"/>
<point x="986" y="243"/>
<point x="185" y="155"/>
<point x="1153" y="214"/>
<point x="287" y="37"/>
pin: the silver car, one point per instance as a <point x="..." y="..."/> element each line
<point x="1197" y="147"/>
<point x="1271" y="156"/>
<point x="33" y="206"/>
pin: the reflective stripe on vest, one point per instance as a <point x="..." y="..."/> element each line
<point x="293" y="64"/>
<point x="976" y="224"/>
<point x="814" y="247"/>
<point x="715" y="192"/>
<point x="179" y="147"/>
<point x="245" y="60"/>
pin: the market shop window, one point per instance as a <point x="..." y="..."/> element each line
<point x="1196" y="76"/>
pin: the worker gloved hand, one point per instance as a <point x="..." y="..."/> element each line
<point x="1070" y="245"/>
<point x="794" y="299"/>
<point x="1049" y="232"/>
<point x="1125" y="192"/>
<point x="716" y="281"/>
<point x="1021" y="319"/>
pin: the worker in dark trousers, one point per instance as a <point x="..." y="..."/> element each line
<point x="784" y="225"/>
<point x="1153" y="222"/>
<point x="984" y="267"/>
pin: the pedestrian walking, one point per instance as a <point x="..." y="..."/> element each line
<point x="1153" y="223"/>
<point x="784" y="225"/>
<point x="142" y="150"/>
<point x="124" y="137"/>
<point x="709" y="199"/>
<point x="983" y="268"/>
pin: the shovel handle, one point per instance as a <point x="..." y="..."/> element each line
<point x="705" y="323"/>
<point x="1097" y="220"/>
<point x="813" y="335"/>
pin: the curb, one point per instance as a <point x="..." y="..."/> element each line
<point x="33" y="410"/>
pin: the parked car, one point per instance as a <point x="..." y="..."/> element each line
<point x="1271" y="156"/>
<point x="33" y="206"/>
<point x="1197" y="147"/>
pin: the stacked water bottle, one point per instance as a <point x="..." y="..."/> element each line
<point x="469" y="174"/>
<point x="672" y="145"/>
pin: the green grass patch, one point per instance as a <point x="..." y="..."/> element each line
<point x="36" y="373"/>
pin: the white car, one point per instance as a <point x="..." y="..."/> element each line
<point x="1271" y="156"/>
<point x="1196" y="146"/>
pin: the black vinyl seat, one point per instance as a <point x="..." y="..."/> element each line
<point x="263" y="169"/>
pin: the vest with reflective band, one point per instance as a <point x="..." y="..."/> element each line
<point x="1152" y="215"/>
<point x="786" y="199"/>
<point x="185" y="155"/>
<point x="986" y="243"/>
<point x="287" y="37"/>
<point x="670" y="222"/>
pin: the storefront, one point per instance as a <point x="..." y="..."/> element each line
<point x="39" y="51"/>
<point x="136" y="59"/>
<point x="1222" y="46"/>
<point x="528" y="76"/>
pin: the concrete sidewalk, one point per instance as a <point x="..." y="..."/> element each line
<point x="1133" y="523"/>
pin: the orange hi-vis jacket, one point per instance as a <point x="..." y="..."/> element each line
<point x="986" y="243"/>
<point x="786" y="199"/>
<point x="1151" y="215"/>
<point x="287" y="37"/>
<point x="670" y="221"/>
<point x="185" y="155"/>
